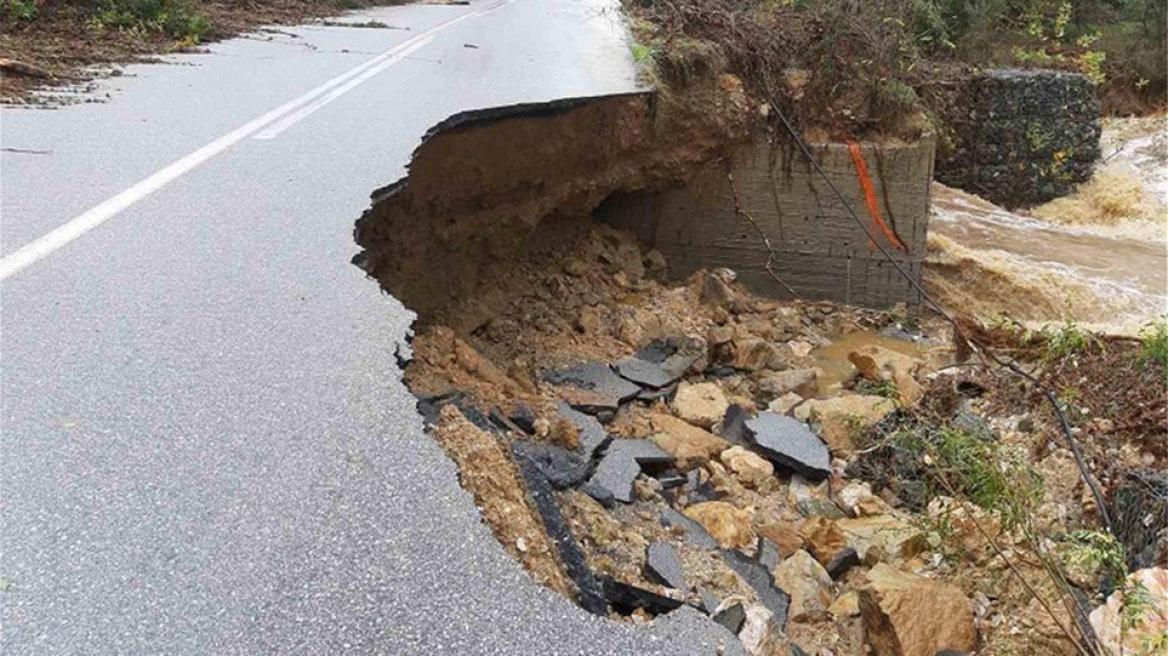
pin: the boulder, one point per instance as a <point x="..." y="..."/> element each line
<point x="878" y="364"/>
<point x="784" y="536"/>
<point x="663" y="565"/>
<point x="816" y="507"/>
<point x="857" y="499"/>
<point x="1144" y="627"/>
<point x="699" y="487"/>
<point x="750" y="468"/>
<point x="756" y="354"/>
<point x="842" y="563"/>
<point x="799" y="381"/>
<point x="701" y="404"/>
<point x="734" y="424"/>
<point x="823" y="539"/>
<point x="758" y="631"/>
<point x="715" y="289"/>
<point x="785" y="403"/>
<point x="847" y="605"/>
<point x="881" y="539"/>
<point x="909" y="615"/>
<point x="841" y="415"/>
<point x="809" y="586"/>
<point x="655" y="264"/>
<point x="789" y="443"/>
<point x="689" y="445"/>
<point x="730" y="526"/>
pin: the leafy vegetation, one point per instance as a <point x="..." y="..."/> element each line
<point x="865" y="58"/>
<point x="1064" y="341"/>
<point x="173" y="18"/>
<point x="885" y="388"/>
<point x="18" y="10"/>
<point x="1154" y="342"/>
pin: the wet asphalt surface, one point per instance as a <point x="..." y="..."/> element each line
<point x="205" y="446"/>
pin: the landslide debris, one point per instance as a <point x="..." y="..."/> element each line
<point x="678" y="476"/>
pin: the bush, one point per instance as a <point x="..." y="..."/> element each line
<point x="1154" y="342"/>
<point x="18" y="10"/>
<point x="174" y="18"/>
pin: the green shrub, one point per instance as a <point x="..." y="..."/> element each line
<point x="1064" y="341"/>
<point x="18" y="10"/>
<point x="1154" y="342"/>
<point x="173" y="18"/>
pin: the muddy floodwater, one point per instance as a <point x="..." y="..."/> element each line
<point x="1099" y="257"/>
<point x="835" y="367"/>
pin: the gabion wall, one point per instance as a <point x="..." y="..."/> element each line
<point x="1017" y="138"/>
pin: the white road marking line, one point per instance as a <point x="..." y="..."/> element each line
<point x="288" y="121"/>
<point x="32" y="252"/>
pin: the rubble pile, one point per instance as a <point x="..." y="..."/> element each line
<point x="696" y="446"/>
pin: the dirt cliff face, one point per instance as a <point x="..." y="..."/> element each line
<point x="482" y="181"/>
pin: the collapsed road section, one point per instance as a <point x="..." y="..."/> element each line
<point x="606" y="348"/>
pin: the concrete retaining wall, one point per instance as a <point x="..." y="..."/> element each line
<point x="1017" y="138"/>
<point x="820" y="250"/>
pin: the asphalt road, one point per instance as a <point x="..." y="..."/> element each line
<point x="205" y="447"/>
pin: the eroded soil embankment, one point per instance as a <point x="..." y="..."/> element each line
<point x="780" y="466"/>
<point x="482" y="181"/>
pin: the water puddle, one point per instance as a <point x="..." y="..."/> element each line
<point x="833" y="361"/>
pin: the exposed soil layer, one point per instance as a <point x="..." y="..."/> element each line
<point x="61" y="46"/>
<point x="458" y="220"/>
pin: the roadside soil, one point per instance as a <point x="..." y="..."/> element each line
<point x="60" y="48"/>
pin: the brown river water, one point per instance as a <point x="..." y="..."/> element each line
<point x="1099" y="257"/>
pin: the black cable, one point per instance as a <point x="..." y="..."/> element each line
<point x="981" y="350"/>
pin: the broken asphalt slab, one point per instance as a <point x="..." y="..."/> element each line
<point x="663" y="565"/>
<point x="592" y="434"/>
<point x="621" y="464"/>
<point x="645" y="373"/>
<point x="732" y="617"/>
<point x="694" y="532"/>
<point x="562" y="468"/>
<point x="626" y="598"/>
<point x="688" y="622"/>
<point x="763" y="582"/>
<point x="674" y="355"/>
<point x="592" y="387"/>
<point x="591" y="594"/>
<point x="789" y="443"/>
